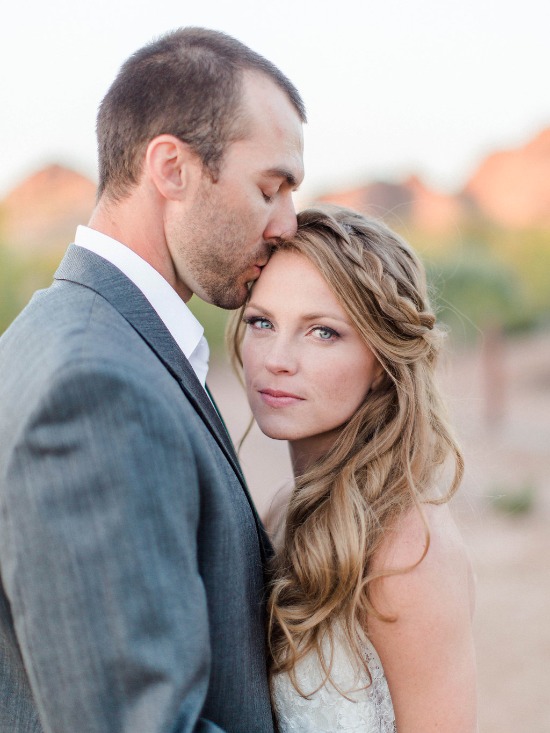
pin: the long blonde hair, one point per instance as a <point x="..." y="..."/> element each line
<point x="386" y="457"/>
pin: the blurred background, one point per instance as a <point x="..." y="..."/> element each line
<point x="431" y="115"/>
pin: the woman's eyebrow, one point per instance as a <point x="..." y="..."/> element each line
<point x="324" y="314"/>
<point x="259" y="308"/>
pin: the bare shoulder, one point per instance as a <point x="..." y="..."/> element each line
<point x="431" y="552"/>
<point x="427" y="651"/>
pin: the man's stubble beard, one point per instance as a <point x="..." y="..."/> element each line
<point x="210" y="245"/>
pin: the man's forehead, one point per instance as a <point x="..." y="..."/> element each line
<point x="263" y="98"/>
<point x="272" y="130"/>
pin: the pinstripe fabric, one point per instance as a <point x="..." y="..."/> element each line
<point x="131" y="557"/>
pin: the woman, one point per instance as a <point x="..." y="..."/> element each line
<point x="371" y="588"/>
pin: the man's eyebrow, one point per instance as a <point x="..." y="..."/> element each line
<point x="283" y="173"/>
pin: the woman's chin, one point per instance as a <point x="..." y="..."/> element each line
<point x="278" y="432"/>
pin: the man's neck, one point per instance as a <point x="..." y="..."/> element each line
<point x="137" y="222"/>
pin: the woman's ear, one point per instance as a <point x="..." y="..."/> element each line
<point x="378" y="378"/>
<point x="171" y="164"/>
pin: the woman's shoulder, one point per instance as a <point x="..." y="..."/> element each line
<point x="429" y="529"/>
<point x="427" y="559"/>
<point x="425" y="586"/>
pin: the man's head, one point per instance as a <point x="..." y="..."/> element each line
<point x="189" y="84"/>
<point x="200" y="149"/>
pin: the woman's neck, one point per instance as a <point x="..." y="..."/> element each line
<point x="306" y="451"/>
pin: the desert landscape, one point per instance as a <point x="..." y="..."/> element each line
<point x="503" y="509"/>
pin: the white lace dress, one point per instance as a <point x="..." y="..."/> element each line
<point x="361" y="710"/>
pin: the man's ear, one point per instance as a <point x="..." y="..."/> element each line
<point x="171" y="165"/>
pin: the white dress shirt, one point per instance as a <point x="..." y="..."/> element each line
<point x="173" y="312"/>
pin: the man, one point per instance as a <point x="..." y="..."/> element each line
<point x="131" y="557"/>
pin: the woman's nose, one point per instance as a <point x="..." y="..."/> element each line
<point x="281" y="357"/>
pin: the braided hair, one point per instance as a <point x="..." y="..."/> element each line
<point x="386" y="459"/>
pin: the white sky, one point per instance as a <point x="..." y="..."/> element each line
<point x="392" y="87"/>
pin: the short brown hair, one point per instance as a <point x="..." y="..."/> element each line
<point x="188" y="83"/>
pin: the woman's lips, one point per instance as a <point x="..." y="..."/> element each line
<point x="276" y="398"/>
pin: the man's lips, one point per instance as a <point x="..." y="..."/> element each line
<point x="277" y="398"/>
<point x="255" y="272"/>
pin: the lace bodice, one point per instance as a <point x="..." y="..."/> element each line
<point x="361" y="710"/>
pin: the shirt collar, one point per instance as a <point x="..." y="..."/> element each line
<point x="174" y="313"/>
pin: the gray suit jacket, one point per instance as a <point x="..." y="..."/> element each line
<point x="131" y="557"/>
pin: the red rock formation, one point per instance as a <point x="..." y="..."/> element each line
<point x="411" y="203"/>
<point x="44" y="210"/>
<point x="434" y="212"/>
<point x="512" y="188"/>
<point x="390" y="201"/>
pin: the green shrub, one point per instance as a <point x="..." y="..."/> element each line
<point x="19" y="277"/>
<point x="475" y="292"/>
<point x="516" y="501"/>
<point x="214" y="321"/>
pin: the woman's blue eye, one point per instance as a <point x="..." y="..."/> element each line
<point x="325" y="334"/>
<point x="258" y="322"/>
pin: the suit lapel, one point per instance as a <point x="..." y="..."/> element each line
<point x="86" y="268"/>
<point x="213" y="401"/>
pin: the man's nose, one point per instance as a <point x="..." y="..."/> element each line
<point x="283" y="224"/>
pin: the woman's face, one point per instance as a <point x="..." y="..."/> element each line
<point x="306" y="368"/>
